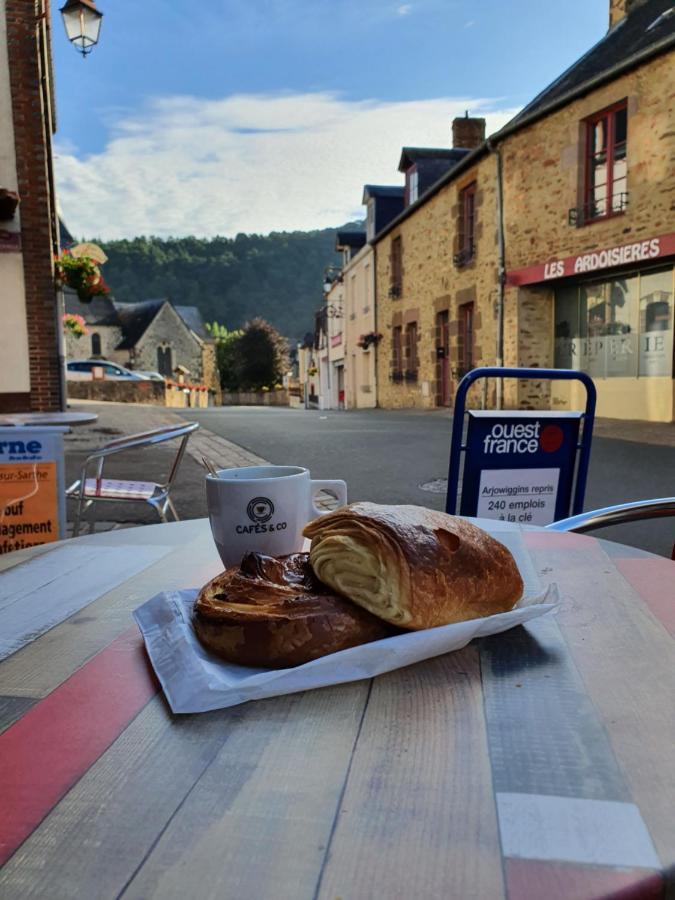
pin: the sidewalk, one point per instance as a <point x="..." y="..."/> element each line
<point x="149" y="464"/>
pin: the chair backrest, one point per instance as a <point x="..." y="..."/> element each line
<point x="147" y="439"/>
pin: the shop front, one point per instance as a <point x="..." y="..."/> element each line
<point x="612" y="317"/>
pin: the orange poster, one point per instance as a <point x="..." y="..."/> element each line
<point x="29" y="507"/>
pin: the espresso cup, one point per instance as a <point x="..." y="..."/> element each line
<point x="263" y="508"/>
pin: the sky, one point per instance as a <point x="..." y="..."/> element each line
<point x="214" y="117"/>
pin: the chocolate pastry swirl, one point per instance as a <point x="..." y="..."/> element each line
<point x="275" y="613"/>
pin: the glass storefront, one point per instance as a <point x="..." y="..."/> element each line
<point x="621" y="327"/>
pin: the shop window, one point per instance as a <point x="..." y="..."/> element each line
<point x="656" y="323"/>
<point x="606" y="163"/>
<point x="396" y="261"/>
<point x="411" y="363"/>
<point x="96" y="344"/>
<point x="597" y="328"/>
<point x="466" y="225"/>
<point x="397" y="353"/>
<point x="465" y="355"/>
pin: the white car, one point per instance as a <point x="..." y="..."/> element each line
<point x="81" y="369"/>
<point x="153" y="376"/>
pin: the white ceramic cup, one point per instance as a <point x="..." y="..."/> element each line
<point x="263" y="508"/>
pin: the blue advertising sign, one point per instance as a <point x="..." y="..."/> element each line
<point x="519" y="466"/>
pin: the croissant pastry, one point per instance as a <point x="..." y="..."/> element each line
<point x="413" y="567"/>
<point x="275" y="613"/>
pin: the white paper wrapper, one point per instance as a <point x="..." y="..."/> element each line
<point x="195" y="681"/>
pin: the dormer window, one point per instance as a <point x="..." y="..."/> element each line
<point x="412" y="184"/>
<point x="370" y="219"/>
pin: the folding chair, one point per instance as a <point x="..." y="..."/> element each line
<point x="97" y="489"/>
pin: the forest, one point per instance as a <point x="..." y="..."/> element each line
<point x="278" y="276"/>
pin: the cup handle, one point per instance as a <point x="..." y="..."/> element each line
<point x="336" y="487"/>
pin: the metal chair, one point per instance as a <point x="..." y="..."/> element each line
<point x="97" y="489"/>
<point x="617" y="515"/>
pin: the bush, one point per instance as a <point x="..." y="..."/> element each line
<point x="252" y="359"/>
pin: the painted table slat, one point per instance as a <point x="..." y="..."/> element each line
<point x="538" y="762"/>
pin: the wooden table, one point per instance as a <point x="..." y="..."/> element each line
<point x="539" y="763"/>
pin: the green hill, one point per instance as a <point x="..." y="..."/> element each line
<point x="231" y="280"/>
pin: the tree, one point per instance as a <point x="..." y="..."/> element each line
<point x="226" y="354"/>
<point x="261" y="356"/>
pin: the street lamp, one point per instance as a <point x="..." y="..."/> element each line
<point x="82" y="22"/>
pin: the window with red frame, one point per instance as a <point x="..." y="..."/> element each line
<point x="411" y="350"/>
<point x="467" y="223"/>
<point x="396" y="261"/>
<point x="465" y="355"/>
<point x="606" y="163"/>
<point x="397" y="352"/>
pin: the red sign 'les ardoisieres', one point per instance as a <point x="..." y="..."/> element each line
<point x="607" y="258"/>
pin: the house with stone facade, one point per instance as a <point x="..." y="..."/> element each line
<point x="552" y="243"/>
<point x="153" y="335"/>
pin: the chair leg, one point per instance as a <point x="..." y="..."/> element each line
<point x="78" y="518"/>
<point x="169" y="503"/>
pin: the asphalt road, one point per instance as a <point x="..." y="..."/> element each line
<point x="385" y="456"/>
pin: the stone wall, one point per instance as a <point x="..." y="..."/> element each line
<point x="81" y="348"/>
<point x="152" y="393"/>
<point x="167" y="329"/>
<point x="255" y="398"/>
<point x="432" y="284"/>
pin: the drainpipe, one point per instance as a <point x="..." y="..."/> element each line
<point x="501" y="271"/>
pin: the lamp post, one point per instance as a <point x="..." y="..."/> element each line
<point x="82" y="22"/>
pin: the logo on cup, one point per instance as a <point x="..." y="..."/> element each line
<point x="260" y="509"/>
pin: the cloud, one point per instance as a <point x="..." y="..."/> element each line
<point x="404" y="9"/>
<point x="248" y="163"/>
<point x="470" y="23"/>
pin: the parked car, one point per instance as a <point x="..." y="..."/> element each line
<point x="80" y="370"/>
<point x="153" y="376"/>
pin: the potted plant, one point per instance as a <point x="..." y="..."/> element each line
<point x="365" y="341"/>
<point x="75" y="325"/>
<point x="82" y="274"/>
<point x="9" y="200"/>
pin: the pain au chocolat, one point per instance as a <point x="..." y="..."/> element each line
<point x="274" y="613"/>
<point x="414" y="567"/>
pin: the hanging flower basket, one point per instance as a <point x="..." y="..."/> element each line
<point x="82" y="274"/>
<point x="365" y="341"/>
<point x="312" y="371"/>
<point x="75" y="325"/>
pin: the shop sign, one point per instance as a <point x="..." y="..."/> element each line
<point x="519" y="466"/>
<point x="32" y="499"/>
<point x="597" y="260"/>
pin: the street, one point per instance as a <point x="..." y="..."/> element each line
<point x="385" y="456"/>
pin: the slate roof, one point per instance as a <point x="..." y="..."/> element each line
<point x="381" y="190"/>
<point x="100" y="311"/>
<point x="194" y="321"/>
<point x="354" y="239"/>
<point x="66" y="240"/>
<point x="410" y="155"/>
<point x="645" y="28"/>
<point x="135" y="319"/>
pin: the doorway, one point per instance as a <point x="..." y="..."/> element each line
<point x="442" y="359"/>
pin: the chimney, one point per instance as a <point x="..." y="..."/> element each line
<point x="619" y="9"/>
<point x="467" y="133"/>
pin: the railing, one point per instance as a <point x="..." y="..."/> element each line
<point x="594" y="210"/>
<point x="395" y="290"/>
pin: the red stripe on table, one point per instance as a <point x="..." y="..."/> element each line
<point x="654" y="580"/>
<point x="49" y="749"/>
<point x="528" y="879"/>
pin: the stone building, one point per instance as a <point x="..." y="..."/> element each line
<point x="550" y="244"/>
<point x="436" y="276"/>
<point x="358" y="275"/>
<point x="153" y="335"/>
<point x="30" y="338"/>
